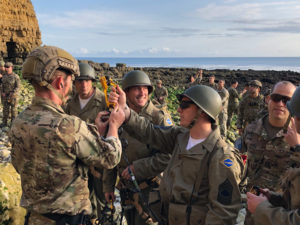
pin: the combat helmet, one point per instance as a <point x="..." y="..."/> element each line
<point x="136" y="78"/>
<point x="206" y="98"/>
<point x="42" y="62"/>
<point x="294" y="104"/>
<point x="86" y="72"/>
<point x="255" y="83"/>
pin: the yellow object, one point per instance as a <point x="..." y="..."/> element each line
<point x="10" y="195"/>
<point x="105" y="85"/>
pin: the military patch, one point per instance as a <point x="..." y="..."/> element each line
<point x="169" y="121"/>
<point x="225" y="193"/>
<point x="228" y="162"/>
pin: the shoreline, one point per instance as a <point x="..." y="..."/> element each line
<point x="179" y="76"/>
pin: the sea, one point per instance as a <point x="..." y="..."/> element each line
<point x="208" y="63"/>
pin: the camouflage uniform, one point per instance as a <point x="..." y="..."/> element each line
<point x="214" y="85"/>
<point x="147" y="162"/>
<point x="282" y="208"/>
<point x="218" y="199"/>
<point x="263" y="167"/>
<point x="89" y="113"/>
<point x="248" y="110"/>
<point x="10" y="89"/>
<point x="233" y="104"/>
<point x="160" y="92"/>
<point x="223" y="114"/>
<point x="52" y="151"/>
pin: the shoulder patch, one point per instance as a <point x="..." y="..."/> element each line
<point x="227" y="162"/>
<point x="169" y="121"/>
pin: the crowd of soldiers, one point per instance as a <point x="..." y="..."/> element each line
<point x="73" y="154"/>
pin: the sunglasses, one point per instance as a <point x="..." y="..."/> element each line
<point x="278" y="98"/>
<point x="7" y="66"/>
<point x="185" y="104"/>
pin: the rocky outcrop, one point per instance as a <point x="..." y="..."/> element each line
<point x="179" y="77"/>
<point x="19" y="30"/>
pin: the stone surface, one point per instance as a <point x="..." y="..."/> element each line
<point x="19" y="30"/>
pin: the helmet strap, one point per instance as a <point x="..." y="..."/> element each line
<point x="192" y="123"/>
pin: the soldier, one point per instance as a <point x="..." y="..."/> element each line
<point x="86" y="104"/>
<point x="250" y="105"/>
<point x="197" y="79"/>
<point x="201" y="183"/>
<point x="277" y="209"/>
<point x="211" y="82"/>
<point x="222" y="117"/>
<point x="2" y="72"/>
<point x="145" y="161"/>
<point x="264" y="143"/>
<point x="233" y="101"/>
<point x="10" y="89"/>
<point x="52" y="150"/>
<point x="160" y="93"/>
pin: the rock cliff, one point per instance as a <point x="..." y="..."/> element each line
<point x="19" y="30"/>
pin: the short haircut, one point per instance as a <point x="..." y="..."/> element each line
<point x="284" y="82"/>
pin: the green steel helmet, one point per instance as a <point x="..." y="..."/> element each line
<point x="294" y="104"/>
<point x="86" y="72"/>
<point x="42" y="62"/>
<point x="136" y="78"/>
<point x="206" y="98"/>
<point x="255" y="83"/>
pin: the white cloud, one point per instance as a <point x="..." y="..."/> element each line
<point x="83" y="50"/>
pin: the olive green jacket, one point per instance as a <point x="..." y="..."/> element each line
<point x="92" y="108"/>
<point x="147" y="161"/>
<point x="218" y="199"/>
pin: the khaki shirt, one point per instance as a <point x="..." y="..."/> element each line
<point x="148" y="162"/>
<point x="90" y="111"/>
<point x="218" y="199"/>
<point x="52" y="151"/>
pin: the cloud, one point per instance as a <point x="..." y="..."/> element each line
<point x="90" y="19"/>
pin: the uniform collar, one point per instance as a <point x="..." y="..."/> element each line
<point x="46" y="103"/>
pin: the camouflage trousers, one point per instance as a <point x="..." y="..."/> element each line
<point x="9" y="107"/>
<point x="223" y="123"/>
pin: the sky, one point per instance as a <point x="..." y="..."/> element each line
<point x="171" y="28"/>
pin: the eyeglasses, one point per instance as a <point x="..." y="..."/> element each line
<point x="185" y="104"/>
<point x="278" y="98"/>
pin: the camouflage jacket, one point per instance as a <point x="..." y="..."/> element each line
<point x="214" y="85"/>
<point x="160" y="92"/>
<point x="224" y="96"/>
<point x="147" y="161"/>
<point x="248" y="110"/>
<point x="52" y="151"/>
<point x="268" y="158"/>
<point x="233" y="100"/>
<point x="11" y="84"/>
<point x="90" y="111"/>
<point x="218" y="199"/>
